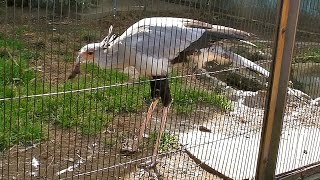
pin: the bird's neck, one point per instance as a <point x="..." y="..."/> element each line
<point x="111" y="59"/>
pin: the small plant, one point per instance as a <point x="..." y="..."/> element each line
<point x="110" y="142"/>
<point x="309" y="55"/>
<point x="168" y="141"/>
<point x="39" y="45"/>
<point x="69" y="57"/>
<point x="31" y="55"/>
<point x="58" y="39"/>
<point x="21" y="30"/>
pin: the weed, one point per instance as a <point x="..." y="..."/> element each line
<point x="68" y="56"/>
<point x="13" y="73"/>
<point x="58" y="39"/>
<point x="31" y="55"/>
<point x="5" y="53"/>
<point x="39" y="45"/>
<point x="109" y="143"/>
<point x="22" y="29"/>
<point x="18" y="124"/>
<point x="309" y="55"/>
<point x="10" y="43"/>
<point x="260" y="45"/>
<point x="168" y="141"/>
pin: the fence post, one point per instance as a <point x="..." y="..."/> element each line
<point x="276" y="99"/>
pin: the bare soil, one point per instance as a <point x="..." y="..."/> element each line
<point x="100" y="154"/>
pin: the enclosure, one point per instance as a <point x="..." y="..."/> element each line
<point x="56" y="127"/>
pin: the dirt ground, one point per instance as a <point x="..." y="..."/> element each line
<point x="96" y="157"/>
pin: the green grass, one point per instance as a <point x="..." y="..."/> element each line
<point x="186" y="98"/>
<point x="309" y="55"/>
<point x="109" y="143"/>
<point x="22" y="29"/>
<point x="28" y="119"/>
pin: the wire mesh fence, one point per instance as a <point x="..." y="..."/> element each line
<point x="63" y="120"/>
<point x="300" y="129"/>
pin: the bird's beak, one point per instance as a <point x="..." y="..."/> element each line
<point x="76" y="69"/>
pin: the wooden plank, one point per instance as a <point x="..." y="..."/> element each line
<point x="275" y="105"/>
<point x="300" y="173"/>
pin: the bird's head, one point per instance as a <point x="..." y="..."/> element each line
<point x="87" y="54"/>
<point x="92" y="52"/>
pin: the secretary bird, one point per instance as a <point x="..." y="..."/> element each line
<point x="151" y="45"/>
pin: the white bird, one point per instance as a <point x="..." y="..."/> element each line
<point x="151" y="45"/>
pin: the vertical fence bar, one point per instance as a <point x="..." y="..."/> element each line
<point x="275" y="105"/>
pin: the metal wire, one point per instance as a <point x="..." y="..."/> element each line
<point x="55" y="128"/>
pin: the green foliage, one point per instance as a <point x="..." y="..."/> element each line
<point x="12" y="77"/>
<point x="18" y="124"/>
<point x="14" y="71"/>
<point x="168" y="141"/>
<point x="186" y="98"/>
<point x="20" y="30"/>
<point x="10" y="43"/>
<point x="110" y="142"/>
<point x="309" y="55"/>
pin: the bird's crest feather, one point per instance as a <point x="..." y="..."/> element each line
<point x="108" y="38"/>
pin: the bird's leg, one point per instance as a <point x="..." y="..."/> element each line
<point x="162" y="90"/>
<point x="146" y="122"/>
<point x="132" y="146"/>
<point x="152" y="163"/>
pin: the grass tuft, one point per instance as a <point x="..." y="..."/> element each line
<point x="310" y="55"/>
<point x="186" y="98"/>
<point x="168" y="141"/>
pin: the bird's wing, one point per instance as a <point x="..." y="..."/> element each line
<point x="166" y="37"/>
<point x="214" y="33"/>
<point x="218" y="31"/>
<point x="159" y="38"/>
<point x="236" y="59"/>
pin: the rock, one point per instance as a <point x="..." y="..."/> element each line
<point x="206" y="76"/>
<point x="252" y="53"/>
<point x="70" y="159"/>
<point x="305" y="77"/>
<point x="243" y="79"/>
<point x="231" y="93"/>
<point x="256" y="100"/>
<point x="315" y="102"/>
<point x="297" y="96"/>
<point x="204" y="129"/>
